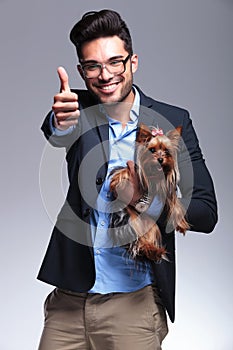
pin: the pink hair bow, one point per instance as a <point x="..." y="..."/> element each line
<point x="157" y="132"/>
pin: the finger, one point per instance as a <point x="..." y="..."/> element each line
<point x="65" y="107"/>
<point x="64" y="124"/>
<point x="66" y="97"/>
<point x="131" y="167"/>
<point x="67" y="123"/>
<point x="60" y="116"/>
<point x="64" y="79"/>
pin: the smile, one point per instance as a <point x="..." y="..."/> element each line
<point x="108" y="88"/>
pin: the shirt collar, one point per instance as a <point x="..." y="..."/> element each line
<point x="136" y="103"/>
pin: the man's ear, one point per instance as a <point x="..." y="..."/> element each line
<point x="144" y="134"/>
<point x="79" y="68"/>
<point x="134" y="63"/>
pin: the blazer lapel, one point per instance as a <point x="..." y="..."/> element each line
<point x="103" y="133"/>
<point x="147" y="115"/>
<point x="151" y="115"/>
<point x="96" y="121"/>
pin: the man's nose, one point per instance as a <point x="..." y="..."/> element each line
<point x="105" y="74"/>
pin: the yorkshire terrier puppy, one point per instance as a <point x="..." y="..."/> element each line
<point x="158" y="175"/>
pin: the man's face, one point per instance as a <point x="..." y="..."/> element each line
<point x="107" y="87"/>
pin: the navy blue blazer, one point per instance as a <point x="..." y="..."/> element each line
<point x="69" y="260"/>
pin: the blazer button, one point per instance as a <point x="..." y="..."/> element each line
<point x="99" y="181"/>
<point x="87" y="212"/>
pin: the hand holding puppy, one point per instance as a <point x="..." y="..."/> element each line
<point x="128" y="190"/>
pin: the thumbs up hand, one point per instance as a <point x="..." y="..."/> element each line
<point x="65" y="105"/>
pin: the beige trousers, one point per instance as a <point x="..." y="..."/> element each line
<point x="115" y="321"/>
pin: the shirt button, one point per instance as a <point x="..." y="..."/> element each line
<point x="102" y="223"/>
<point x="87" y="212"/>
<point x="98" y="251"/>
<point x="99" y="181"/>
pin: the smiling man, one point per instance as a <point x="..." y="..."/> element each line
<point x="104" y="299"/>
<point x="111" y="81"/>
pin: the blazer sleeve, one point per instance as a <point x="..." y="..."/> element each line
<point x="196" y="185"/>
<point x="65" y="140"/>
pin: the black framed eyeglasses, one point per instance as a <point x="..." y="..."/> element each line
<point x="114" y="66"/>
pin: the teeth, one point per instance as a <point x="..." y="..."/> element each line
<point x="109" y="87"/>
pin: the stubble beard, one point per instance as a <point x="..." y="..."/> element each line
<point x="127" y="88"/>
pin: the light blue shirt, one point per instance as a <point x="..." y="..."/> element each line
<point x="116" y="271"/>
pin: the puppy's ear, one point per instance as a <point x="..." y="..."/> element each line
<point x="174" y="135"/>
<point x="143" y="134"/>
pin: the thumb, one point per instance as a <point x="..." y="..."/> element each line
<point x="64" y="79"/>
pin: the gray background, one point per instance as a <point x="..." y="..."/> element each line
<point x="186" y="54"/>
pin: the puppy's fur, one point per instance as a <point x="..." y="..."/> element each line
<point x="158" y="174"/>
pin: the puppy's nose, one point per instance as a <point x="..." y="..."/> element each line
<point x="160" y="160"/>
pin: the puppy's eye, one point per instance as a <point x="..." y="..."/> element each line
<point x="152" y="150"/>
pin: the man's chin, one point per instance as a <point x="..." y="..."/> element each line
<point x="109" y="101"/>
<point x="112" y="101"/>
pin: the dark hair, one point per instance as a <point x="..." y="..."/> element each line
<point x="97" y="24"/>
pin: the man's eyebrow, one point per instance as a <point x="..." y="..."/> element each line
<point x="94" y="61"/>
<point x="116" y="57"/>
